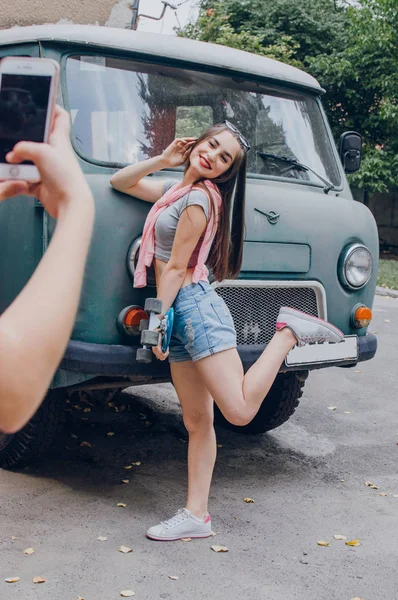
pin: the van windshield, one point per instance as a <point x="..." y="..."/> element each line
<point x="125" y="111"/>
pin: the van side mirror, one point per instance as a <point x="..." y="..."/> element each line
<point x="350" y="151"/>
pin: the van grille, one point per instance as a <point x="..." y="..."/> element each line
<point x="255" y="309"/>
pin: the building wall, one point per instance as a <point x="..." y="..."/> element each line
<point x="385" y="210"/>
<point x="37" y="12"/>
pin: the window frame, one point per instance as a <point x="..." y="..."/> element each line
<point x="178" y="65"/>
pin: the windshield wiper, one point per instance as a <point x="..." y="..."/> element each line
<point x="298" y="165"/>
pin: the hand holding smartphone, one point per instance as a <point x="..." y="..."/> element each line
<point x="28" y="88"/>
<point x="28" y="117"/>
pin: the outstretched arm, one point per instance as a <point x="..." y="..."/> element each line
<point x="36" y="327"/>
<point x="130" y="180"/>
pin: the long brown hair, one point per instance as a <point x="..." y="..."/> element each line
<point x="225" y="257"/>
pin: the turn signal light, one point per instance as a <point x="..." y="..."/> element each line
<point x="362" y="316"/>
<point x="130" y="318"/>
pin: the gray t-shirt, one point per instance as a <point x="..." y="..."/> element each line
<point x="166" y="224"/>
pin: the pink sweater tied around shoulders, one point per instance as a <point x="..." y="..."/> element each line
<point x="147" y="248"/>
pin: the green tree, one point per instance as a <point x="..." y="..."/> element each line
<point x="213" y="25"/>
<point x="351" y="50"/>
<point x="362" y="85"/>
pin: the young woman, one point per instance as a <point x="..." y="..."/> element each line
<point x="188" y="226"/>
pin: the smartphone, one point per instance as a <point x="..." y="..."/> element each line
<point x="28" y="89"/>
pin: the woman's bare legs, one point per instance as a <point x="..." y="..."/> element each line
<point x="197" y="409"/>
<point x="239" y="395"/>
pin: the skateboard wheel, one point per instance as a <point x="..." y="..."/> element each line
<point x="144" y="355"/>
<point x="149" y="337"/>
<point x="144" y="324"/>
<point x="153" y="305"/>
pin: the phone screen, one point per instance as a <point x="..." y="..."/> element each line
<point x="23" y="110"/>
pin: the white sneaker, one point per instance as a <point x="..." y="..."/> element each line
<point x="306" y="328"/>
<point x="183" y="525"/>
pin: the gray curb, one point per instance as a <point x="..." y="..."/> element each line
<point x="381" y="291"/>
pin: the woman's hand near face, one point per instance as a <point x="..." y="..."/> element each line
<point x="176" y="153"/>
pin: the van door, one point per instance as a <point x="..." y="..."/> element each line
<point x="21" y="223"/>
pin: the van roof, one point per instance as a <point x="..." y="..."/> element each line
<point x="151" y="44"/>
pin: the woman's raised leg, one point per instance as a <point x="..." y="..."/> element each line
<point x="197" y="410"/>
<point x="239" y="395"/>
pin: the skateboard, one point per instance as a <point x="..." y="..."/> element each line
<point x="151" y="329"/>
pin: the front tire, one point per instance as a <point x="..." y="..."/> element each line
<point x="277" y="407"/>
<point x="33" y="441"/>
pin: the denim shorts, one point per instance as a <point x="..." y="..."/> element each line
<point x="202" y="324"/>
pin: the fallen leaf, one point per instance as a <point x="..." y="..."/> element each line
<point x="332" y="407"/>
<point x="38" y="579"/>
<point x="12" y="579"/>
<point x="248" y="500"/>
<point x="28" y="551"/>
<point x="87" y="410"/>
<point x="83" y="444"/>
<point x="110" y="433"/>
<point x="136" y="464"/>
<point x="213" y="533"/>
<point x="219" y="445"/>
<point x="127" y="593"/>
<point x="80" y="598"/>
<point x="217" y="548"/>
<point x="186" y="539"/>
<point x="347" y="412"/>
<point x="382" y="494"/>
<point x="121" y="504"/>
<point x="353" y="543"/>
<point x="13" y="537"/>
<point x="173" y="577"/>
<point x="128" y="467"/>
<point x="102" y="538"/>
<point x="125" y="480"/>
<point x="323" y="543"/>
<point x="342" y="480"/>
<point x="371" y="485"/>
<point x="339" y="537"/>
<point x="125" y="549"/>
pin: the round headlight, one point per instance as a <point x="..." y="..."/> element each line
<point x="357" y="266"/>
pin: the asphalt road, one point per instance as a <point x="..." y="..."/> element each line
<point x="307" y="479"/>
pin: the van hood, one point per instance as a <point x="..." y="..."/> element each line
<point x="299" y="230"/>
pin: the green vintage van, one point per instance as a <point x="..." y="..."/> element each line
<point x="308" y="244"/>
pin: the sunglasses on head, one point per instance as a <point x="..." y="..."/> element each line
<point x="243" y="141"/>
